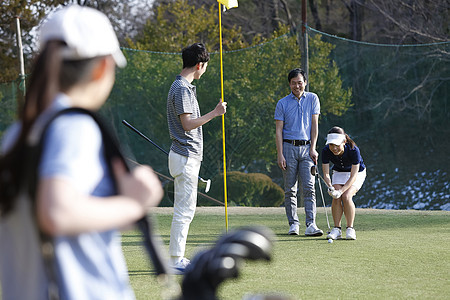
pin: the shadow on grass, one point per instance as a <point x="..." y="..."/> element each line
<point x="193" y="239"/>
<point x="297" y="238"/>
<point x="141" y="273"/>
<point x="135" y="243"/>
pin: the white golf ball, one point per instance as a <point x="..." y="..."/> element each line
<point x="330" y="241"/>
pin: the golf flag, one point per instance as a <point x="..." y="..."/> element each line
<point x="229" y="3"/>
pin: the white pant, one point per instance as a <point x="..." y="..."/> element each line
<point x="185" y="172"/>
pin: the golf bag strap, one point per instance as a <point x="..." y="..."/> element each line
<point x="111" y="150"/>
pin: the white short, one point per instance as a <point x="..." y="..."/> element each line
<point x="342" y="177"/>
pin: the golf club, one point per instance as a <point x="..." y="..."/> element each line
<point x="314" y="173"/>
<point x="210" y="268"/>
<point x="208" y="182"/>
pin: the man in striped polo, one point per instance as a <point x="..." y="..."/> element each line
<point x="186" y="152"/>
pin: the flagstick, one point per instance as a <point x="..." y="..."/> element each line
<point x="223" y="121"/>
<point x="22" y="65"/>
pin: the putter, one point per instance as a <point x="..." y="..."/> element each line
<point x="208" y="182"/>
<point x="314" y="173"/>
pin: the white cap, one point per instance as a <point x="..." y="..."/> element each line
<point x="335" y="138"/>
<point x="87" y="32"/>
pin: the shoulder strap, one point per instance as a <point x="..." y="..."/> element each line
<point x="111" y="145"/>
<point x="111" y="150"/>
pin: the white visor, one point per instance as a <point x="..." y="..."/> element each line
<point x="335" y="138"/>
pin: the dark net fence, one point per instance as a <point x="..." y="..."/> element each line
<point x="400" y="119"/>
<point x="399" y="113"/>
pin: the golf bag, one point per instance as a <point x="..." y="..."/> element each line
<point x="210" y="268"/>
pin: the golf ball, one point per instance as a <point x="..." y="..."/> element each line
<point x="330" y="241"/>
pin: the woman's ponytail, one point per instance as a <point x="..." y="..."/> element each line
<point x="42" y="88"/>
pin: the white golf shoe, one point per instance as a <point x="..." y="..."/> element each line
<point x="179" y="267"/>
<point x="312" y="230"/>
<point x="335" y="234"/>
<point x="350" y="234"/>
<point x="294" y="229"/>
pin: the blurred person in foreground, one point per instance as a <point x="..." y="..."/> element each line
<point x="186" y="152"/>
<point x="297" y="129"/>
<point x="76" y="202"/>
<point x="349" y="174"/>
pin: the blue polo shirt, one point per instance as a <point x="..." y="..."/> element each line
<point x="297" y="114"/>
<point x="343" y="163"/>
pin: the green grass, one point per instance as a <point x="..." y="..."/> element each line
<point x="398" y="255"/>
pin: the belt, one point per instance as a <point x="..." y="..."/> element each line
<point x="297" y="142"/>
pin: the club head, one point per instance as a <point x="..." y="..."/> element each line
<point x="208" y="185"/>
<point x="313" y="170"/>
<point x="257" y="241"/>
<point x="223" y="267"/>
<point x="209" y="268"/>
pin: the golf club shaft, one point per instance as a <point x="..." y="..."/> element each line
<point x="314" y="172"/>
<point x="153" y="143"/>
<point x="145" y="137"/>
<point x="323" y="179"/>
<point x="324" y="206"/>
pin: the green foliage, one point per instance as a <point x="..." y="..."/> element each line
<point x="247" y="189"/>
<point x="325" y="80"/>
<point x="8" y="97"/>
<point x="399" y="92"/>
<point x="139" y="97"/>
<point x="178" y="24"/>
<point x="30" y="13"/>
<point x="255" y="78"/>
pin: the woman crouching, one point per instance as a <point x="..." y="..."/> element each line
<point x="349" y="173"/>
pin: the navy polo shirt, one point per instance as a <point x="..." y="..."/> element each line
<point x="343" y="163"/>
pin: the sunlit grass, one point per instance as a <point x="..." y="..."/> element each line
<point x="398" y="254"/>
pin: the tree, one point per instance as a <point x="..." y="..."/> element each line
<point x="255" y="78"/>
<point x="29" y="13"/>
<point x="412" y="21"/>
<point x="127" y="18"/>
<point x="382" y="21"/>
<point x="396" y="23"/>
<point x="325" y="79"/>
<point x="255" y="18"/>
<point x="177" y="24"/>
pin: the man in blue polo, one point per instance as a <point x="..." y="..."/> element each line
<point x="297" y="127"/>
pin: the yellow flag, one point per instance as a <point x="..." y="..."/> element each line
<point x="229" y="3"/>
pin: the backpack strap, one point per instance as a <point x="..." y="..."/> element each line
<point x="111" y="145"/>
<point x="34" y="154"/>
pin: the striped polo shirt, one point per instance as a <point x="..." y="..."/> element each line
<point x="182" y="99"/>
